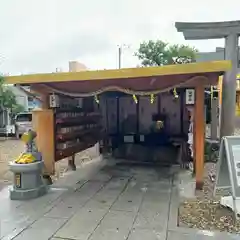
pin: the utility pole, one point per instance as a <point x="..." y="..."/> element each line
<point x="119" y="56"/>
<point x="120" y="49"/>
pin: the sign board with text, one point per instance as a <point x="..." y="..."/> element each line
<point x="190" y="96"/>
<point x="228" y="170"/>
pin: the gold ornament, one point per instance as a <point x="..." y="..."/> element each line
<point x="175" y="93"/>
<point x="96" y="99"/>
<point x="135" y="99"/>
<point x="152" y="98"/>
<point x="120" y="89"/>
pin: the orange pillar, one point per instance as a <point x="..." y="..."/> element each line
<point x="199" y="125"/>
<point x="220" y="90"/>
<point x="43" y="122"/>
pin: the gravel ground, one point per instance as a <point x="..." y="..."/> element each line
<point x="9" y="150"/>
<point x="204" y="211"/>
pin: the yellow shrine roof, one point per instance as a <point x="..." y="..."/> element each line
<point x="142" y="72"/>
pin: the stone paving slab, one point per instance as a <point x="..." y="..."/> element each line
<point x="151" y="220"/>
<point x="92" y="213"/>
<point x="54" y="238"/>
<point x="82" y="224"/>
<point x="108" y="195"/>
<point x="62" y="210"/>
<point x="113" y="202"/>
<point x="109" y="234"/>
<point x="42" y="229"/>
<point x="147" y="234"/>
<point x="118" y="220"/>
<point x="115" y="225"/>
<point x="200" y="235"/>
<point x="116" y="184"/>
<point x="128" y="203"/>
<point x="17" y="215"/>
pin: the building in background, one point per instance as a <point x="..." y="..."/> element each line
<point x="218" y="55"/>
<point x="75" y="66"/>
<point x="24" y="98"/>
<point x="27" y="99"/>
<point x="210" y="56"/>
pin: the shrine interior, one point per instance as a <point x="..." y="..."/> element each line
<point x="147" y="129"/>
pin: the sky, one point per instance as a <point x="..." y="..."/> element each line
<point x="42" y="35"/>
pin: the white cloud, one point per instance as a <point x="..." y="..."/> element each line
<point x="38" y="36"/>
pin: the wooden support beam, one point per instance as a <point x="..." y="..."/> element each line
<point x="194" y="143"/>
<point x="199" y="125"/>
<point x="43" y="122"/>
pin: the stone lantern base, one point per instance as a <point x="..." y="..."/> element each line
<point x="28" y="182"/>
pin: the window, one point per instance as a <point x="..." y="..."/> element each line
<point x="24" y="117"/>
<point x="30" y="99"/>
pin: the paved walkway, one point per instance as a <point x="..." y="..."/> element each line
<point x="101" y="202"/>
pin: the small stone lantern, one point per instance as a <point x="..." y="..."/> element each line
<point x="27" y="170"/>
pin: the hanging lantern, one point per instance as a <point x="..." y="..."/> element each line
<point x="135" y="98"/>
<point x="152" y="98"/>
<point x="96" y="99"/>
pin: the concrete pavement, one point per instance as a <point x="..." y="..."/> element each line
<point x="102" y="201"/>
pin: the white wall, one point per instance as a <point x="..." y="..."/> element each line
<point x="21" y="97"/>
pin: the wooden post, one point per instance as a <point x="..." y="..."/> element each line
<point x="43" y="122"/>
<point x="194" y="142"/>
<point x="199" y="125"/>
